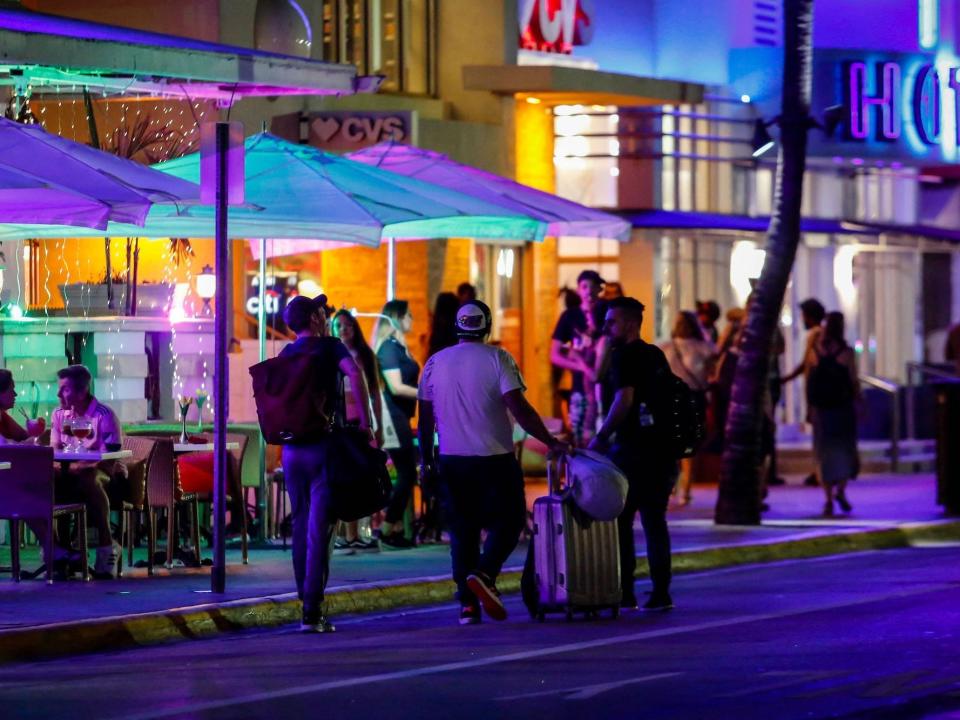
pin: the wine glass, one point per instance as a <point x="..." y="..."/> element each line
<point x="201" y="400"/>
<point x="82" y="428"/>
<point x="69" y="442"/>
<point x="185" y="401"/>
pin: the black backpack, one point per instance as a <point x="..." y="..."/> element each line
<point x="292" y="400"/>
<point x="828" y="384"/>
<point x="681" y="413"/>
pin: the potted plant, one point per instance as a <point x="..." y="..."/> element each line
<point x="92" y="298"/>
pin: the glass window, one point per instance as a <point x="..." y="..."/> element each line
<point x="499" y="281"/>
<point x="393" y="38"/>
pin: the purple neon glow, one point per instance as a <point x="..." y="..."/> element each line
<point x="887" y="100"/>
<point x="926" y="104"/>
<point x="46" y="179"/>
<point x="26" y="21"/>
<point x="954" y="82"/>
<point x="564" y="217"/>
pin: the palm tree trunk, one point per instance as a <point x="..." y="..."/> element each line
<point x="738" y="502"/>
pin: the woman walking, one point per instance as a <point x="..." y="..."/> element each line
<point x="833" y="391"/>
<point x="691" y="359"/>
<point x="400" y="373"/>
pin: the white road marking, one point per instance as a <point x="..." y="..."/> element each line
<point x="587" y="692"/>
<point x="301" y="690"/>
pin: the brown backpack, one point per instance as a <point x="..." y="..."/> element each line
<point x="293" y="404"/>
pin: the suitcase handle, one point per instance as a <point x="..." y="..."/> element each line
<point x="556" y="469"/>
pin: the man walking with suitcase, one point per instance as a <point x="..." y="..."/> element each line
<point x="640" y="443"/>
<point x="466" y="393"/>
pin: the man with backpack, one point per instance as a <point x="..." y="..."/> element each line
<point x="310" y="368"/>
<point x="639" y="435"/>
<point x="467" y="394"/>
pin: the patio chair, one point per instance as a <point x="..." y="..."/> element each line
<point x="26" y="493"/>
<point x="164" y="493"/>
<point x="135" y="503"/>
<point x="234" y="486"/>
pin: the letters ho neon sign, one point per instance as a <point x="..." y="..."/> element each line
<point x="555" y="25"/>
<point x="897" y="99"/>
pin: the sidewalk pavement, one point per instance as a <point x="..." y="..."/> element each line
<point x="38" y="621"/>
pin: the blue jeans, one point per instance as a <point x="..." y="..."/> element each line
<point x="305" y="470"/>
<point x="481" y="493"/>
<point x="650" y="484"/>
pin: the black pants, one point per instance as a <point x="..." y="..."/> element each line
<point x="481" y="493"/>
<point x="405" y="461"/>
<point x="651" y="483"/>
<point x="305" y="470"/>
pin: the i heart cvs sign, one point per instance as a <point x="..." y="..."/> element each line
<point x="343" y="131"/>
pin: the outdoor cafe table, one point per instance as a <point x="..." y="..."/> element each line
<point x="201" y="447"/>
<point x="65" y="457"/>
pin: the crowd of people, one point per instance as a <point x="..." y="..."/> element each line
<point x="705" y="357"/>
<point x="468" y="396"/>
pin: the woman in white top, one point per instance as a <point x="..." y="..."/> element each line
<point x="691" y="359"/>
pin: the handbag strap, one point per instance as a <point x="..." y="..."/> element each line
<point x="686" y="370"/>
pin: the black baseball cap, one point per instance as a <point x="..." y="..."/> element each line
<point x="300" y="309"/>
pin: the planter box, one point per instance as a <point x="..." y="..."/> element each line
<point x="91" y="299"/>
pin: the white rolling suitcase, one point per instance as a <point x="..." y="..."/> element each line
<point x="576" y="565"/>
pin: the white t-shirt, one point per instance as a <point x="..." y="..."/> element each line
<point x="466" y="384"/>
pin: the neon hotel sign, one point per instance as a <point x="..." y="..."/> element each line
<point x="889" y="101"/>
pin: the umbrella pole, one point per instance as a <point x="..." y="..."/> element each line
<point x="218" y="573"/>
<point x="391" y="268"/>
<point x="262" y="505"/>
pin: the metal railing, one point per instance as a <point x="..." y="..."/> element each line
<point x="892" y="389"/>
<point x="922" y="371"/>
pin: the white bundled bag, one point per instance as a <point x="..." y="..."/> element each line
<point x="596" y="485"/>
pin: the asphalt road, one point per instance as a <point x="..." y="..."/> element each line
<point x="868" y="635"/>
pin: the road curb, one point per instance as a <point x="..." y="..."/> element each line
<point x="201" y="621"/>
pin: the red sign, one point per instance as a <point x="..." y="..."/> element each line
<point x="555" y="25"/>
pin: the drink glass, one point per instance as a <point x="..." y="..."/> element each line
<point x="82" y="427"/>
<point x="69" y="441"/>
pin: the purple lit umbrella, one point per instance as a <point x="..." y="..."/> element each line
<point x="563" y="217"/>
<point x="46" y="179"/>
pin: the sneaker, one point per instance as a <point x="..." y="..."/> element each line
<point x="396" y="541"/>
<point x="322" y="625"/>
<point x="844" y="503"/>
<point x="107" y="560"/>
<point x="488" y="595"/>
<point x="658" y="602"/>
<point x="364" y="546"/>
<point x="628" y="601"/>
<point x="342" y="547"/>
<point x="470" y="615"/>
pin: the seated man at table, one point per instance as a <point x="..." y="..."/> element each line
<point x="87" y="482"/>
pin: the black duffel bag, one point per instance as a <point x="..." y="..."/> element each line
<point x="358" y="478"/>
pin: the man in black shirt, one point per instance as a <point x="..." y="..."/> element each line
<point x="306" y="466"/>
<point x="637" y="370"/>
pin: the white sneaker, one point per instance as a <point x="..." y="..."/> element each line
<point x="107" y="560"/>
